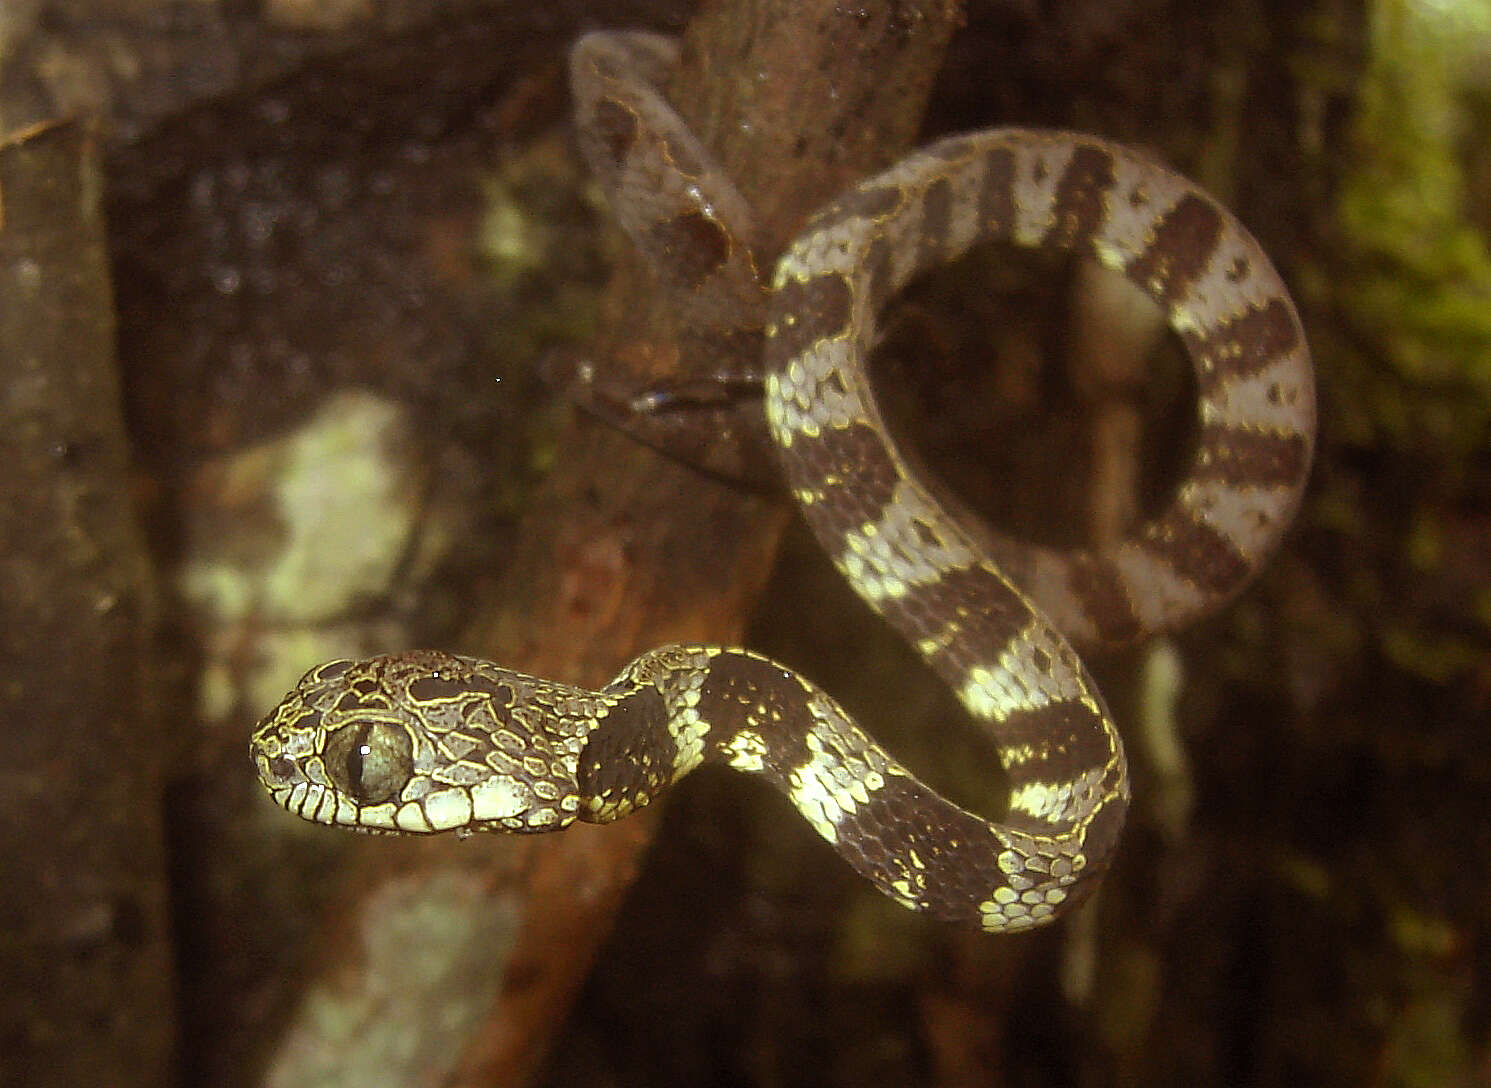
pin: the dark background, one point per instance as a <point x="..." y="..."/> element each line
<point x="286" y="247"/>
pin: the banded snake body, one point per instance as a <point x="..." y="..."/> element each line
<point x="426" y="741"/>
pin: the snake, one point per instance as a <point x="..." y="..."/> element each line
<point x="428" y="741"/>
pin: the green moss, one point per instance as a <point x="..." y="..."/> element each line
<point x="1423" y="288"/>
<point x="1411" y="385"/>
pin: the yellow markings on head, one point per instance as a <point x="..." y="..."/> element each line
<point x="448" y="808"/>
<point x="499" y="798"/>
<point x="381" y="816"/>
<point x="411" y="817"/>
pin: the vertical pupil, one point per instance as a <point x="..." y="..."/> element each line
<point x="358" y="752"/>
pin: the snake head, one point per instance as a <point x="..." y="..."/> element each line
<point x="418" y="742"/>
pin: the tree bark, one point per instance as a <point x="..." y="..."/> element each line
<point x="624" y="549"/>
<point x="87" y="951"/>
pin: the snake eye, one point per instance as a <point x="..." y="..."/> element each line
<point x="370" y="762"/>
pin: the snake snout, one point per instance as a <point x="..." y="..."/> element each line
<point x="277" y="772"/>
<point x="282" y="742"/>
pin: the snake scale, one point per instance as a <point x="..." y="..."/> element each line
<point x="428" y="741"/>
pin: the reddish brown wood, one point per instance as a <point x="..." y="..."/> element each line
<point x="629" y="550"/>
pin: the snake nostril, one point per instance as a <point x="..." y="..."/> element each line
<point x="282" y="769"/>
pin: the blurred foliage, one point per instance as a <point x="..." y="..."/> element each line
<point x="1422" y="271"/>
<point x="1414" y="373"/>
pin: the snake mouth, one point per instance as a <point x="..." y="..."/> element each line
<point x="317" y="804"/>
<point x="290" y="787"/>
